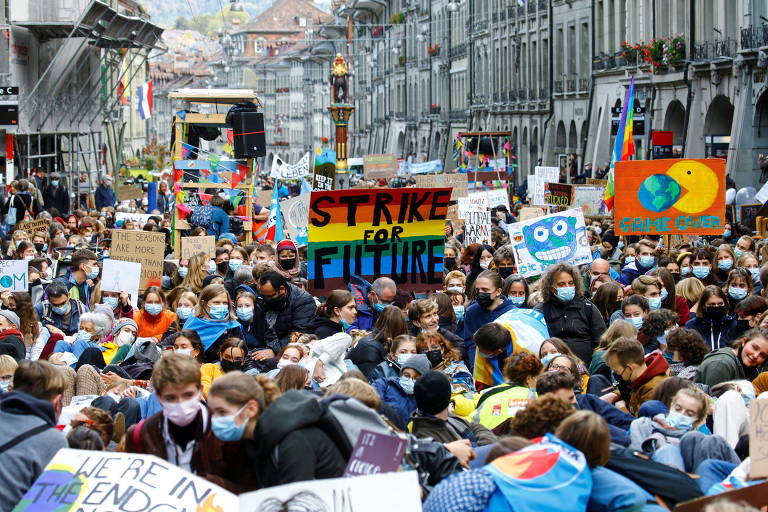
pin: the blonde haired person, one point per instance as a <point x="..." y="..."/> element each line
<point x="198" y="269"/>
<point x="8" y="367"/>
<point x="691" y="290"/>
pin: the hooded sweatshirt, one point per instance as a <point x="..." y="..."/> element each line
<point x="13" y="344"/>
<point x="721" y="366"/>
<point x="25" y="461"/>
<point x="645" y="384"/>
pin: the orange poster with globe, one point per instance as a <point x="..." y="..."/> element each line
<point x="670" y="197"/>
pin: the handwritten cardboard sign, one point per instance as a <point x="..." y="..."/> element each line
<point x="325" y="170"/>
<point x="530" y="212"/>
<point x="13" y="275"/>
<point x="758" y="439"/>
<point x="143" y="247"/>
<point x="590" y="199"/>
<point x="296" y="215"/>
<point x="379" y="166"/>
<point x="476" y="202"/>
<point x="542" y="175"/>
<point x="33" y="226"/>
<point x="129" y="192"/>
<point x="191" y="245"/>
<point x="477" y="227"/>
<point x="375" y="453"/>
<point x="457" y="181"/>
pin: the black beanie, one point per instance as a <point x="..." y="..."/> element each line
<point x="432" y="392"/>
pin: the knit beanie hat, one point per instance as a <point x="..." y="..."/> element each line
<point x="11" y="317"/>
<point x="123" y="322"/>
<point x="432" y="392"/>
<point x="286" y="244"/>
<point x="418" y="362"/>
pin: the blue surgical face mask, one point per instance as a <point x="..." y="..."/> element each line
<point x="518" y="301"/>
<point x="211" y="267"/>
<point x="737" y="293"/>
<point x="94" y="273"/>
<point x="379" y="307"/>
<point x="407" y="385"/>
<point x="83" y="335"/>
<point x="647" y="261"/>
<point x="183" y="272"/>
<point x="245" y="313"/>
<point x="620" y="245"/>
<point x="549" y="357"/>
<point x="61" y="310"/>
<point x="684" y="271"/>
<point x="727" y="233"/>
<point x="219" y="311"/>
<point x="54" y="183"/>
<point x="183" y="312"/>
<point x="402" y="358"/>
<point x="459" y="312"/>
<point x="629" y="259"/>
<point x="110" y="301"/>
<point x="566" y="293"/>
<point x="153" y="309"/>
<point x="637" y="321"/>
<point x="755" y="271"/>
<point x="654" y="303"/>
<point x="4" y="385"/>
<point x="225" y="428"/>
<point x="738" y="252"/>
<point x="235" y="264"/>
<point x="663" y="294"/>
<point x="700" y="271"/>
<point x="345" y="325"/>
<point x="679" y="421"/>
<point x="726" y="264"/>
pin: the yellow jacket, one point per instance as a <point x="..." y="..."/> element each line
<point x="208" y="373"/>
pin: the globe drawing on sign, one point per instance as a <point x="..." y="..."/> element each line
<point x="658" y="192"/>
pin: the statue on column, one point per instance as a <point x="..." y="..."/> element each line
<point x="339" y="80"/>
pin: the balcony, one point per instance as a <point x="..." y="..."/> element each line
<point x="754" y="37"/>
<point x="543" y="5"/>
<point x="570" y="85"/>
<point x="559" y="87"/>
<point x="583" y="84"/>
<point x="714" y="49"/>
<point x="458" y="51"/>
<point x="458" y="115"/>
<point x="511" y="11"/>
<point x="480" y="26"/>
<point x="543" y="93"/>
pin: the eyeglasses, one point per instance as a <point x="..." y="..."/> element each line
<point x="559" y="367"/>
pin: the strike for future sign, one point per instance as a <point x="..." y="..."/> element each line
<point x="397" y="233"/>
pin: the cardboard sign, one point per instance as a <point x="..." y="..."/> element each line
<point x="543" y="175"/>
<point x="477" y="227"/>
<point x="590" y="199"/>
<point x="325" y="170"/>
<point x="121" y="276"/>
<point x="558" y="194"/>
<point x="547" y="240"/>
<point x="375" y="453"/>
<point x="143" y="247"/>
<point x="379" y="166"/>
<point x="595" y="181"/>
<point x="129" y="192"/>
<point x="476" y="202"/>
<point x="753" y="495"/>
<point x="191" y="245"/>
<point x="498" y="197"/>
<point x="13" y="275"/>
<point x="33" y="226"/>
<point x="758" y="439"/>
<point x="529" y="212"/>
<point x="369" y="233"/>
<point x="295" y="212"/>
<point x="748" y="214"/>
<point x="458" y="181"/>
<point x="264" y="197"/>
<point x="433" y="166"/>
<point x="664" y="197"/>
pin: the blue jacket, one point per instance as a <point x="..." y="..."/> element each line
<point x="630" y="272"/>
<point x="476" y="317"/>
<point x="105" y="197"/>
<point x="618" y="420"/>
<point x="612" y="491"/>
<point x="46" y="316"/>
<point x="219" y="223"/>
<point x="393" y="395"/>
<point x="716" y="333"/>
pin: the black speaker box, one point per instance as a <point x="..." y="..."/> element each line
<point x="249" y="138"/>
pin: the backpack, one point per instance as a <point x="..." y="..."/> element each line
<point x="360" y="288"/>
<point x="202" y="216"/>
<point x="343" y="418"/>
<point x="665" y="482"/>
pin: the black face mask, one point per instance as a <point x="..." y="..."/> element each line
<point x="276" y="303"/>
<point x="484" y="299"/>
<point x="506" y="271"/>
<point x="743" y="325"/>
<point x="716" y="312"/>
<point x="435" y="356"/>
<point x="618" y="305"/>
<point x="231" y="366"/>
<point x="41" y="247"/>
<point x="287" y="263"/>
<point x="222" y="267"/>
<point x="676" y="277"/>
<point x="449" y="263"/>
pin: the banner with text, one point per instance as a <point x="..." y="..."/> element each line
<point x="371" y="233"/>
<point x="296" y="214"/>
<point x="379" y="166"/>
<point x="191" y="245"/>
<point x="665" y="197"/>
<point x="542" y="175"/>
<point x="458" y="181"/>
<point x="13" y="275"/>
<point x="558" y="194"/>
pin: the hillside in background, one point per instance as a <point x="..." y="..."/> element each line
<point x="166" y="13"/>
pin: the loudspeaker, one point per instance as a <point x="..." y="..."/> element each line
<point x="248" y="131"/>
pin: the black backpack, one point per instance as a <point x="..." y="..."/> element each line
<point x="665" y="482"/>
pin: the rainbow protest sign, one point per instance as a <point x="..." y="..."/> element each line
<point x="398" y="233"/>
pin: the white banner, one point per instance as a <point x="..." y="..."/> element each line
<point x="13" y="275"/>
<point x="283" y="171"/>
<point x="477" y="227"/>
<point x="543" y="175"/>
<point x="547" y="240"/>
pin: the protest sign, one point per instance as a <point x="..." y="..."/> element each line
<point x="748" y="214"/>
<point x="325" y="170"/>
<point x="379" y="166"/>
<point x="477" y="227"/>
<point x="595" y="181"/>
<point x="590" y="199"/>
<point x="375" y="453"/>
<point x="547" y="240"/>
<point x="13" y="275"/>
<point x="191" y="245"/>
<point x="762" y="194"/>
<point x="543" y="175"/>
<point x="143" y="247"/>
<point x="93" y="481"/>
<point x="284" y="171"/>
<point x="129" y="192"/>
<point x="33" y="226"/>
<point x="139" y="218"/>
<point x="370" y="233"/>
<point x="664" y="197"/>
<point x="529" y="212"/>
<point x="498" y="196"/>
<point x="296" y="215"/>
<point x="433" y="166"/>
<point x="264" y="197"/>
<point x="558" y="194"/>
<point x="121" y="276"/>
<point x="751" y="495"/>
<point x="476" y="202"/>
<point x="758" y="439"/>
<point x="458" y="181"/>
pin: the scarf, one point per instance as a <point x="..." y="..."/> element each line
<point x="209" y="330"/>
<point x="292" y="272"/>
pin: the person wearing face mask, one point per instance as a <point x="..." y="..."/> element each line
<point x="397" y="392"/>
<point x="738" y="286"/>
<point x="153" y="318"/>
<point x="249" y="315"/>
<point x="118" y="302"/>
<point x="726" y="261"/>
<point x="56" y="195"/>
<point x="214" y="320"/>
<point x="446" y="359"/>
<point x="504" y="261"/>
<point x="371" y="350"/>
<point x="11" y="339"/>
<point x="8" y="367"/>
<point x="288" y="263"/>
<point x="287" y="309"/>
<point x="59" y="313"/>
<point x="232" y="354"/>
<point x="702" y="264"/>
<point x="28" y="418"/>
<point x="378" y="295"/>
<point x="627" y="360"/>
<point x="336" y="315"/>
<point x="490" y="303"/>
<point x="482" y="260"/>
<point x="80" y="278"/>
<point x="645" y="260"/>
<point x="712" y="319"/>
<point x="181" y="432"/>
<point x="450" y="255"/>
<point x="221" y="262"/>
<point x="424" y="317"/>
<point x="401" y="348"/>
<point x="569" y="315"/>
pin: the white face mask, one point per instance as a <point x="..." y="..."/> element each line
<point x="181" y="413"/>
<point x="124" y="338"/>
<point x="485" y="264"/>
<point x="283" y="363"/>
<point x="185" y="351"/>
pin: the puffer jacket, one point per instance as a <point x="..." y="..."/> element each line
<point x="296" y="316"/>
<point x="578" y="322"/>
<point x="392" y="394"/>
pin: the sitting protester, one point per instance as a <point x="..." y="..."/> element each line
<point x="397" y="392"/>
<point x="628" y="361"/>
<point x="401" y="348"/>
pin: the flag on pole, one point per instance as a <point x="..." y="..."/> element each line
<point x="145" y="100"/>
<point x="273" y="230"/>
<point x="624" y="145"/>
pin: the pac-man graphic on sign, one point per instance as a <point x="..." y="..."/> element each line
<point x="687" y="186"/>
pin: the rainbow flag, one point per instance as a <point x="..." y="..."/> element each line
<point x="624" y="145"/>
